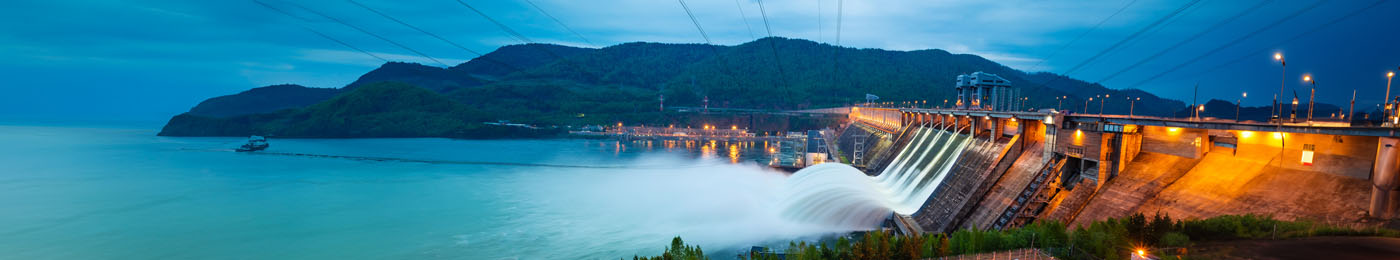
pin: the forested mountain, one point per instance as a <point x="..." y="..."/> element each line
<point x="263" y="100"/>
<point x="381" y="109"/>
<point x="560" y="85"/>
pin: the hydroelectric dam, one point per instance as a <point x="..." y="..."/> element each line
<point x="940" y="170"/>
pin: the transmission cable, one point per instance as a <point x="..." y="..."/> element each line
<point x="328" y="37"/>
<point x="529" y="42"/>
<point x="718" y="57"/>
<point x="1120" y="43"/>
<point x="1131" y="37"/>
<point x="1086" y="32"/>
<point x="1296" y="37"/>
<point x="773" y="43"/>
<point x="1198" y="35"/>
<point x="561" y="23"/>
<point x="1232" y="43"/>
<point x="434" y="35"/>
<point x="745" y="18"/>
<point x="362" y="30"/>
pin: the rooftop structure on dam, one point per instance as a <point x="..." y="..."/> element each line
<point x="985" y="91"/>
<point x="1048" y="165"/>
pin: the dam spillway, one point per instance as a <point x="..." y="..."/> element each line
<point x="841" y="195"/>
<point x="1048" y="165"/>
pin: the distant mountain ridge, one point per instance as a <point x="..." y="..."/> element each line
<point x="559" y="85"/>
<point x="263" y="100"/>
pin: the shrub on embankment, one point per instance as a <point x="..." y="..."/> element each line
<point x="1107" y="239"/>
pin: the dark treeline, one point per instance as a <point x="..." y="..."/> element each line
<point x="1108" y="239"/>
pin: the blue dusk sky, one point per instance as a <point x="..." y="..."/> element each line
<point x="147" y="60"/>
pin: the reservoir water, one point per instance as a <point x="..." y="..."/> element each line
<point x="118" y="193"/>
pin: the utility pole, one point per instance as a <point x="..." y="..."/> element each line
<point x="1278" y="103"/>
<point x="1131" y="104"/>
<point x="1385" y="114"/>
<point x="1237" y="105"/>
<point x="1086" y="105"/>
<point x="1101" y="100"/>
<point x="1311" y="96"/>
<point x="1351" y="110"/>
<point x="1194" y="91"/>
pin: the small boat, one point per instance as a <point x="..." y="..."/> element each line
<point x="255" y="143"/>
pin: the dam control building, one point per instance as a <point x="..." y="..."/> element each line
<point x="985" y="91"/>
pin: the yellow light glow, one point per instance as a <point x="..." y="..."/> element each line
<point x="1278" y="135"/>
<point x="1246" y="134"/>
<point x="1390" y="74"/>
<point x="1142" y="253"/>
<point x="733" y="127"/>
<point x="1078" y="132"/>
<point x="1173" y="129"/>
<point x="1307" y="77"/>
<point x="1278" y="56"/>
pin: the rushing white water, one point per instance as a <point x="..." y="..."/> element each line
<point x="840" y="195"/>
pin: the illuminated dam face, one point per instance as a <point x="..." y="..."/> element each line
<point x="838" y="194"/>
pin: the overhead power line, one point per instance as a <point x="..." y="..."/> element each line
<point x="1232" y="42"/>
<point x="773" y="43"/>
<point x="1086" y="32"/>
<point x="1131" y="37"/>
<point x="745" y="17"/>
<point x="1296" y="37"/>
<point x="561" y="23"/>
<point x="529" y="42"/>
<point x="697" y="25"/>
<point x="1183" y="42"/>
<point x="328" y="37"/>
<point x="434" y="35"/>
<point x="836" y="46"/>
<point x="362" y="30"/>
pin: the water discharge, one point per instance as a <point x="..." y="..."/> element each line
<point x="839" y="195"/>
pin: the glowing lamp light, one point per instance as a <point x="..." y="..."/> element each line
<point x="1307" y="78"/>
<point x="1246" y="134"/>
<point x="1278" y="56"/>
<point x="1142" y="253"/>
<point x="1278" y="135"/>
<point x="1173" y="129"/>
<point x="1390" y="74"/>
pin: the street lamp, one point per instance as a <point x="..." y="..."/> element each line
<point x="1311" y="96"/>
<point x="1101" y="100"/>
<point x="1237" y="105"/>
<point x="1086" y="105"/>
<point x="1283" y="72"/>
<point x="1132" y="102"/>
<point x="1385" y="114"/>
<point x="1199" y="110"/>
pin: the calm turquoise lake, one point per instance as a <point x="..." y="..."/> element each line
<point x="120" y="193"/>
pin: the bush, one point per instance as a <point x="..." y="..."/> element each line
<point x="1174" y="239"/>
<point x="1107" y="239"/>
